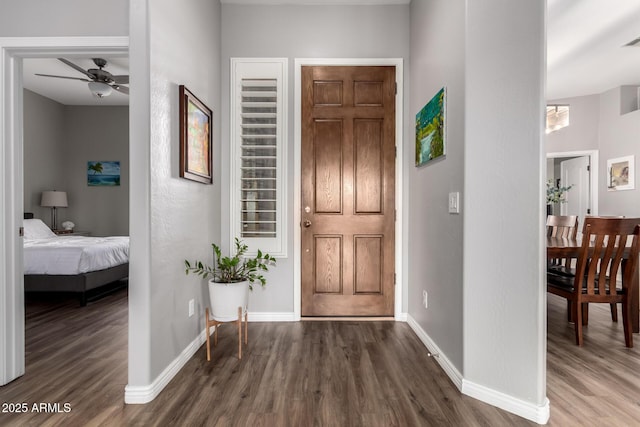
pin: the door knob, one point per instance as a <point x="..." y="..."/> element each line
<point x="307" y="223"/>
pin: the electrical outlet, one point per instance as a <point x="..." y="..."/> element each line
<point x="192" y="307"/>
<point x="425" y="299"/>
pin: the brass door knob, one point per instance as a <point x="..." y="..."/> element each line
<point x="307" y="223"/>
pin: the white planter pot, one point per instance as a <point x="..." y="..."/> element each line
<point x="225" y="298"/>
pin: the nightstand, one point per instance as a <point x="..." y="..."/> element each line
<point x="71" y="233"/>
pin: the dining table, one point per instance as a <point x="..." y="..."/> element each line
<point x="564" y="247"/>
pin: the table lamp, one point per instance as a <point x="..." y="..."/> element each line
<point x="54" y="199"/>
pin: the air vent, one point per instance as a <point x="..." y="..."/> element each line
<point x="635" y="42"/>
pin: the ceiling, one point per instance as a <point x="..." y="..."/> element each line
<point x="72" y="92"/>
<point x="585" y="54"/>
<point x="585" y="46"/>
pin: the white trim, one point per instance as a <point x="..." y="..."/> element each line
<point x="299" y="62"/>
<point x="594" y="162"/>
<point x="528" y="410"/>
<point x="145" y="394"/>
<point x="449" y="368"/>
<point x="12" y="50"/>
<point x="522" y="408"/>
<point x="263" y="316"/>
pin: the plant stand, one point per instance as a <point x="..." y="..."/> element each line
<point x="215" y="323"/>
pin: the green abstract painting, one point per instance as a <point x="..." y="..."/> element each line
<point x="430" y="140"/>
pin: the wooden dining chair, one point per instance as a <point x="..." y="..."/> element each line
<point x="605" y="243"/>
<point x="565" y="226"/>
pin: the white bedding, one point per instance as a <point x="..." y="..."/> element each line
<point x="71" y="255"/>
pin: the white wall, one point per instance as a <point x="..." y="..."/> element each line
<point x="504" y="293"/>
<point x="435" y="237"/>
<point x="172" y="43"/>
<point x="301" y="32"/>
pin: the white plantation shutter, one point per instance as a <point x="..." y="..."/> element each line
<point x="258" y="114"/>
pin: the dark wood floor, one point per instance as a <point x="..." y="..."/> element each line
<point x="302" y="374"/>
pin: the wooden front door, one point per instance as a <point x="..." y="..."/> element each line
<point x="348" y="191"/>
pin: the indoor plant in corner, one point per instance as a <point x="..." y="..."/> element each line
<point x="232" y="277"/>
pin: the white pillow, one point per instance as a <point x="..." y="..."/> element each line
<point x="36" y="229"/>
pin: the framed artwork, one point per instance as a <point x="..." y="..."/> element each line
<point x="195" y="138"/>
<point x="103" y="174"/>
<point x="430" y="129"/>
<point x="621" y="173"/>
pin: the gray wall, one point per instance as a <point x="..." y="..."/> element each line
<point x="171" y="43"/>
<point x="63" y="18"/>
<point x="96" y="134"/>
<point x="435" y="239"/>
<point x="302" y="32"/>
<point x="58" y="142"/>
<point x="597" y="123"/>
<point x="44" y="138"/>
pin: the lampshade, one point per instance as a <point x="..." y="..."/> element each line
<point x="100" y="89"/>
<point x="54" y="199"/>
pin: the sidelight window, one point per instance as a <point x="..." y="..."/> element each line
<point x="258" y="150"/>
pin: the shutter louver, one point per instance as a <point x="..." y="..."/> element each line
<point x="258" y="143"/>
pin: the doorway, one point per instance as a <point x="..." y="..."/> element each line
<point x="13" y="50"/>
<point x="348" y="192"/>
<point x="398" y="288"/>
<point x="578" y="169"/>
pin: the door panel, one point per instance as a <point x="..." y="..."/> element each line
<point x="348" y="184"/>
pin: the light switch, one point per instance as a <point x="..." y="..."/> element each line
<point x="454" y="203"/>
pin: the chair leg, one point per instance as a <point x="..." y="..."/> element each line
<point x="239" y="332"/>
<point x="206" y="322"/>
<point x="569" y="311"/>
<point x="614" y="312"/>
<point x="626" y="323"/>
<point x="585" y="313"/>
<point x="577" y="316"/>
<point x="246" y="327"/>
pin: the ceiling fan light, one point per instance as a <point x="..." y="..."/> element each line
<point x="99" y="89"/>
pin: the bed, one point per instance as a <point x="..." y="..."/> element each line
<point x="86" y="266"/>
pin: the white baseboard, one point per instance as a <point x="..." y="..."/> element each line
<point x="528" y="410"/>
<point x="145" y="394"/>
<point x="448" y="367"/>
<point x="524" y="409"/>
<point x="262" y="316"/>
<point x="401" y="317"/>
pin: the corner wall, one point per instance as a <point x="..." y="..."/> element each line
<point x="173" y="219"/>
<point x="504" y="292"/>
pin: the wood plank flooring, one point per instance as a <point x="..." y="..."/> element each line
<point x="302" y="374"/>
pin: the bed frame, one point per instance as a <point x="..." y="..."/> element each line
<point x="88" y="286"/>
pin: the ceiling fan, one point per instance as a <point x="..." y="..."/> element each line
<point x="101" y="82"/>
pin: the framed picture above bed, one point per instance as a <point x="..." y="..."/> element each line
<point x="195" y="138"/>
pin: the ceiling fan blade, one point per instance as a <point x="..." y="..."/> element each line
<point x="121" y="89"/>
<point x="123" y="80"/>
<point x="64" y="77"/>
<point x="77" y="68"/>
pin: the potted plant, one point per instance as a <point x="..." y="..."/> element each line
<point x="232" y="277"/>
<point x="555" y="194"/>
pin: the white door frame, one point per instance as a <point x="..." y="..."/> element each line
<point x="12" y="51"/>
<point x="297" y="202"/>
<point x="593" y="176"/>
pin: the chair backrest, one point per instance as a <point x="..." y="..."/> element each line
<point x="562" y="226"/>
<point x="604" y="243"/>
